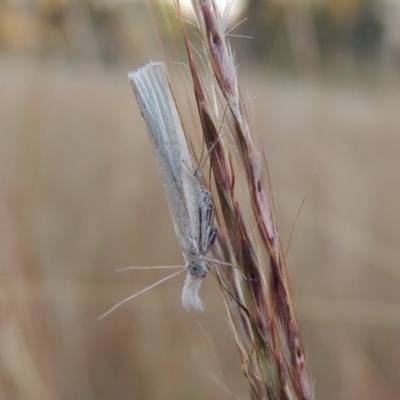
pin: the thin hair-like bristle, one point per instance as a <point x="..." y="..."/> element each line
<point x="139" y="293"/>
<point x="150" y="267"/>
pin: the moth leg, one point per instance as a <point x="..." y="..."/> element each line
<point x="212" y="236"/>
<point x="206" y="208"/>
<point x="206" y="213"/>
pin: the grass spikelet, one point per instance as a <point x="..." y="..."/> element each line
<point x="257" y="293"/>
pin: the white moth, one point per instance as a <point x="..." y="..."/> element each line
<point x="190" y="203"/>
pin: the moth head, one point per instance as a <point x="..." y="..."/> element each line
<point x="197" y="270"/>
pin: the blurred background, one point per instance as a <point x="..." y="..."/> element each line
<point x="80" y="197"/>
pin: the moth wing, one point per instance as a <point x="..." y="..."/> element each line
<point x="154" y="95"/>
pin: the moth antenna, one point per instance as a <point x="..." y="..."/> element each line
<point x="139" y="293"/>
<point x="220" y="136"/>
<point x="156" y="267"/>
<point x="201" y="166"/>
<point x="214" y="261"/>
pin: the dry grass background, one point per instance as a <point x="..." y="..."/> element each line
<point x="80" y="196"/>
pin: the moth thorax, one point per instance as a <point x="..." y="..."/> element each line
<point x="197" y="270"/>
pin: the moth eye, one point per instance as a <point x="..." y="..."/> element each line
<point x="197" y="270"/>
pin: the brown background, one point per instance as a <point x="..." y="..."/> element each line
<point x="80" y="196"/>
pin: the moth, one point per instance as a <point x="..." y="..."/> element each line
<point x="190" y="203"/>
